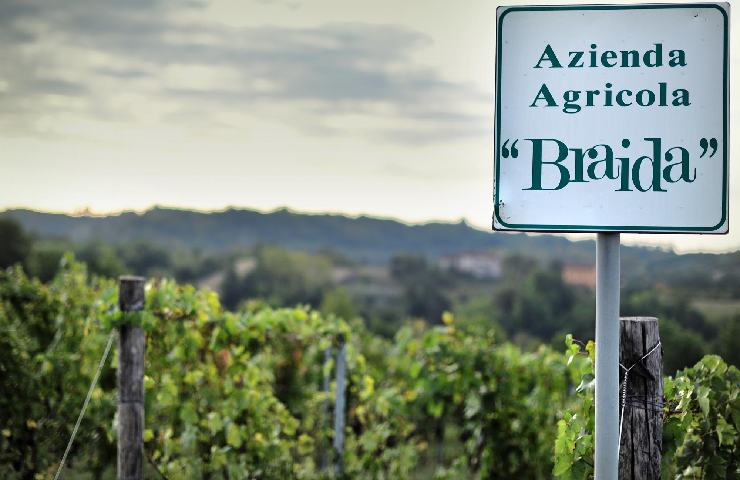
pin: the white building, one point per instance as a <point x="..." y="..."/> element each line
<point x="476" y="264"/>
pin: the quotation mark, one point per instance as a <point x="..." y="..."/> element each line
<point x="505" y="152"/>
<point x="706" y="145"/>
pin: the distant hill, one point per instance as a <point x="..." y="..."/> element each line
<point x="364" y="239"/>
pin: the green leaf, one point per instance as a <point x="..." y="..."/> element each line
<point x="215" y="424"/>
<point x="415" y="369"/>
<point x="233" y="436"/>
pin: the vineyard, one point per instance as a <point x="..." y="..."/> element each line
<point x="238" y="394"/>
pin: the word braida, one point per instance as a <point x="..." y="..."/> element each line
<point x="599" y="162"/>
<point x="610" y="96"/>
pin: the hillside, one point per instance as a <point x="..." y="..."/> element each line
<point x="363" y="239"/>
<point x="533" y="297"/>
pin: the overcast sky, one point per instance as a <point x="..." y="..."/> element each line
<point x="377" y="107"/>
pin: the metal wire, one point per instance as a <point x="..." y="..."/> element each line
<point x="84" y="405"/>
<point x="624" y="391"/>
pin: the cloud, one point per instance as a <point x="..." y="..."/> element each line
<point x="97" y="53"/>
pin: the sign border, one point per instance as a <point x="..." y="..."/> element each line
<point x="501" y="225"/>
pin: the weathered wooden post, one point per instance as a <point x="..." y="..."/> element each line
<point x="131" y="383"/>
<point x="641" y="398"/>
<point x="339" y="407"/>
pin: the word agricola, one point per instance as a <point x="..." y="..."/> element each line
<point x="610" y="95"/>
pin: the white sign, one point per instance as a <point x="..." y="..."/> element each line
<point x="612" y="118"/>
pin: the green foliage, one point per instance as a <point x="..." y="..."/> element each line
<point x="238" y="394"/>
<point x="423" y="286"/>
<point x="280" y="277"/>
<point x="228" y="394"/>
<point x="683" y="347"/>
<point x="497" y="404"/>
<point x="684" y="331"/>
<point x="44" y="259"/>
<point x="111" y="260"/>
<point x="531" y="303"/>
<point x="211" y="403"/>
<point x="51" y="343"/>
<point x="101" y="259"/>
<point x="16" y="244"/>
<point x="339" y="303"/>
<point x="701" y="422"/>
<point x="727" y="340"/>
<point x="574" y="444"/>
<point x="537" y="301"/>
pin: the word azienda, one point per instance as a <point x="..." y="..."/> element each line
<point x="575" y="100"/>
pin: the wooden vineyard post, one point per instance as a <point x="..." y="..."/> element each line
<point x="131" y="383"/>
<point x="641" y="358"/>
<point x="339" y="407"/>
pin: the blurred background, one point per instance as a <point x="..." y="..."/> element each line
<point x="326" y="153"/>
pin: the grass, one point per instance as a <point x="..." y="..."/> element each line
<point x="717" y="310"/>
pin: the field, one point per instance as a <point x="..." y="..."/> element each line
<point x="717" y="310"/>
<point x="243" y="393"/>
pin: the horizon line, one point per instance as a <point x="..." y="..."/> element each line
<point x="87" y="212"/>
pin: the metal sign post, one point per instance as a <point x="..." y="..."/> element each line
<point x="609" y="119"/>
<point x="606" y="436"/>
